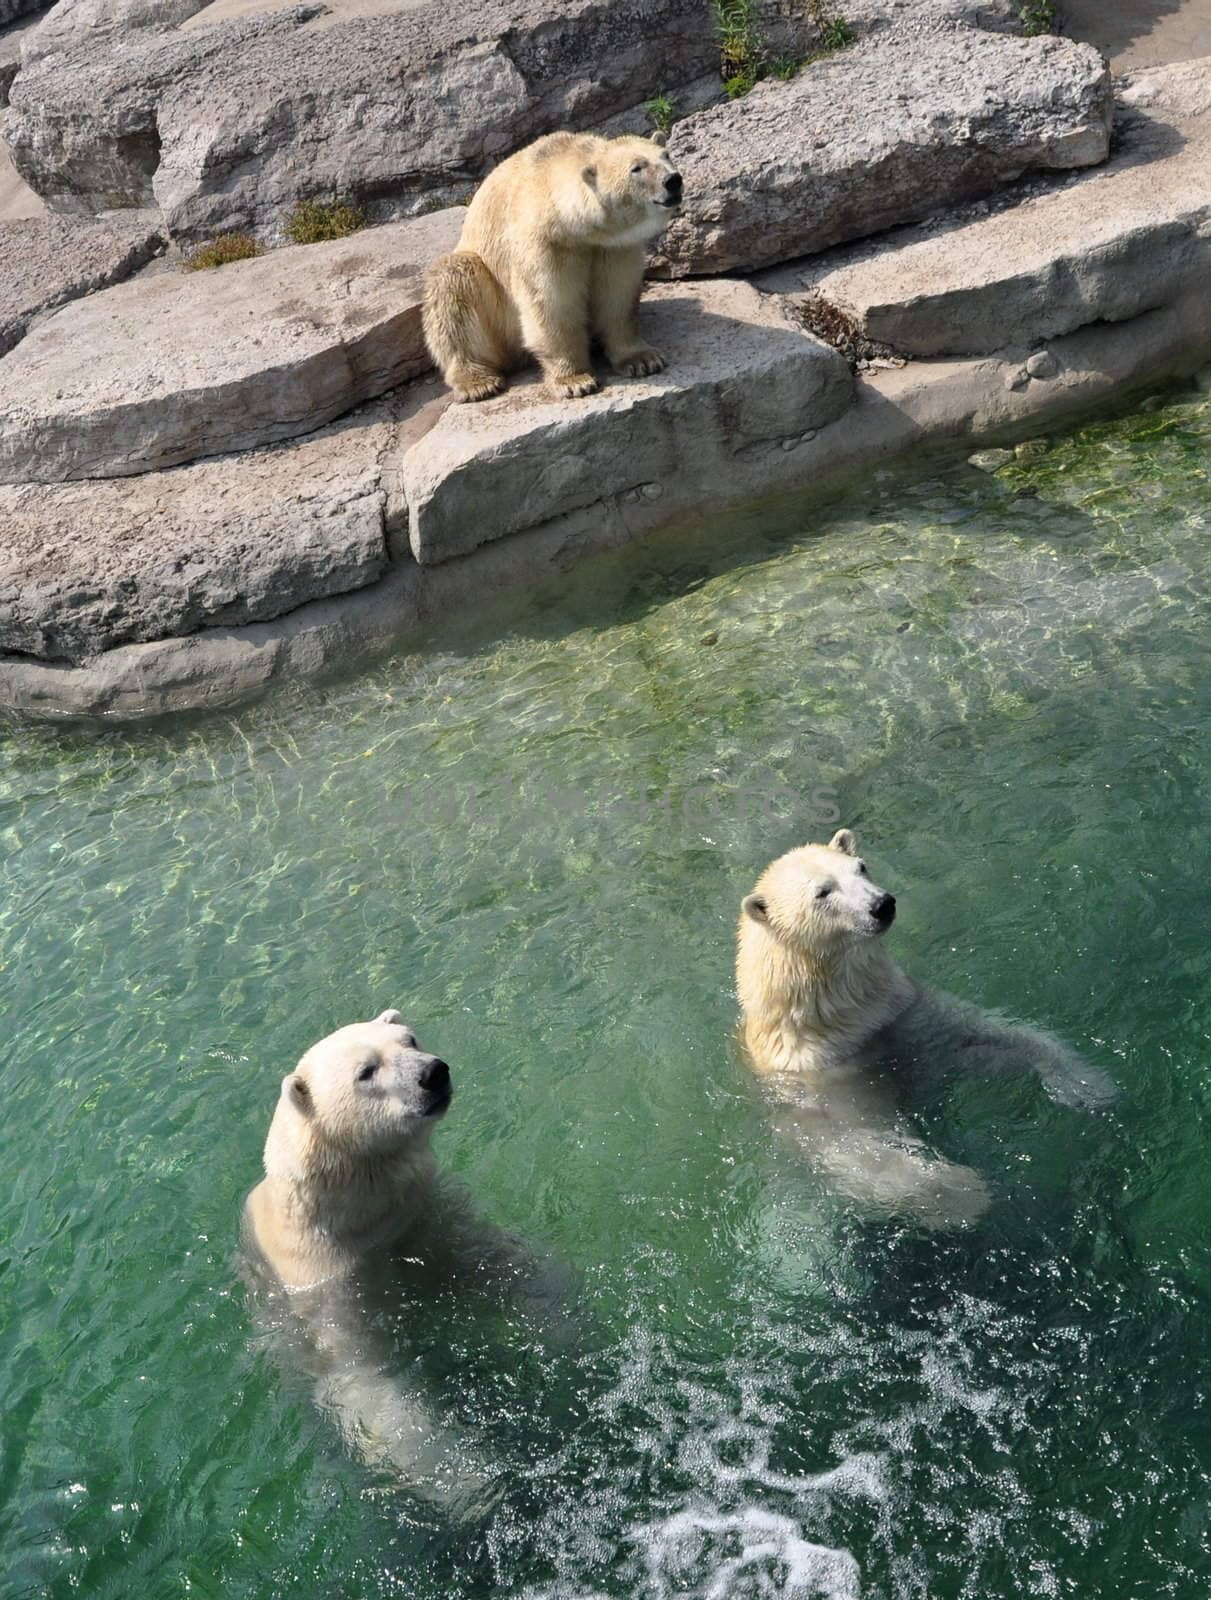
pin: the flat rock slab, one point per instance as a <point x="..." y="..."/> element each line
<point x="1133" y="235"/>
<point x="87" y="567"/>
<point x="889" y="131"/>
<point x="183" y="365"/>
<point x="741" y="373"/>
<point x="46" y="261"/>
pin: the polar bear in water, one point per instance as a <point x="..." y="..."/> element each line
<point x="830" y="1022"/>
<point x="350" y="1201"/>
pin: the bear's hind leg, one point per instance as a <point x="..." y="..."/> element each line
<point x="465" y="321"/>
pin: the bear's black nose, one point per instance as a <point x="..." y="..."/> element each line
<point x="435" y="1075"/>
<point x="672" y="185"/>
<point x="884" y="910"/>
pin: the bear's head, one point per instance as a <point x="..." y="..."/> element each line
<point x="636" y="186"/>
<point x="820" y="896"/>
<point x="365" y="1091"/>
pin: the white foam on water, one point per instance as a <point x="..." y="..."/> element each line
<point x="750" y="1553"/>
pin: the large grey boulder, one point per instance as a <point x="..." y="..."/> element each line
<point x="1104" y="247"/>
<point x="182" y="365"/>
<point x="741" y="374"/>
<point x="884" y="133"/>
<point x="86" y="567"/>
<point x="225" y="125"/>
<point x="47" y="261"/>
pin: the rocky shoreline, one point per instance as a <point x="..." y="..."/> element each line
<point x="210" y="480"/>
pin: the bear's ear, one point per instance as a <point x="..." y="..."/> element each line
<point x="392" y="1017"/>
<point x="754" y="905"/>
<point x="295" y="1089"/>
<point x="845" y="841"/>
<point x="589" y="174"/>
<point x="658" y="136"/>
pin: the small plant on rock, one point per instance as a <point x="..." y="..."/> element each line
<point x="221" y="250"/>
<point x="661" y="113"/>
<point x="739" y="44"/>
<point x="1038" y="16"/>
<point x="314" y="221"/>
<point x="835" y="33"/>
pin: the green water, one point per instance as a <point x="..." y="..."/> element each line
<point x="535" y="845"/>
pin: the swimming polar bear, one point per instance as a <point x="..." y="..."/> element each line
<point x="350" y="1204"/>
<point x="830" y="1022"/>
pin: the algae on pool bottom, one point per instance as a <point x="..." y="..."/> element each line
<point x="536" y="846"/>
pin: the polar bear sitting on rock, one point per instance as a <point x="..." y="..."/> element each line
<point x="834" y="1027"/>
<point x="551" y="257"/>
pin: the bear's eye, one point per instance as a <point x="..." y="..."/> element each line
<point x="823" y="894"/>
<point x="639" y="166"/>
<point x="367" y="1072"/>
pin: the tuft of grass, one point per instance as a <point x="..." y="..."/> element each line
<point x="1038" y="16"/>
<point x="742" y="59"/>
<point x="662" y="113"/>
<point x="740" y="52"/>
<point x="314" y="221"/>
<point x="835" y="33"/>
<point x="224" y="248"/>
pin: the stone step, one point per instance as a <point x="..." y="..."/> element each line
<point x="46" y="261"/>
<point x="86" y="567"/>
<point x="183" y="365"/>
<point x="894" y="129"/>
<point x="742" y="375"/>
<point x="1109" y="244"/>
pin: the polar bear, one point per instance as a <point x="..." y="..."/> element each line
<point x="348" y="1160"/>
<point x="834" y="1027"/>
<point x="551" y="256"/>
<point x="349" y="1178"/>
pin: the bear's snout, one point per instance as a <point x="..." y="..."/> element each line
<point x="672" y="187"/>
<point x="435" y="1076"/>
<point x="884" y="910"/>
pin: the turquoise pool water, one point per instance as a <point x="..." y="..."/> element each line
<point x="535" y="846"/>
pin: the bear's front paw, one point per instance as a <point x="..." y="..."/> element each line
<point x="572" y="385"/>
<point x="640" y="363"/>
<point x="480" y="388"/>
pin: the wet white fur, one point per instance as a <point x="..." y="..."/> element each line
<point x="830" y="1020"/>
<point x="348" y="1171"/>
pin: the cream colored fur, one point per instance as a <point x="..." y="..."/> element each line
<point x="349" y="1174"/>
<point x="551" y="257"/>
<point x="347" y="1160"/>
<point x="831" y="1023"/>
